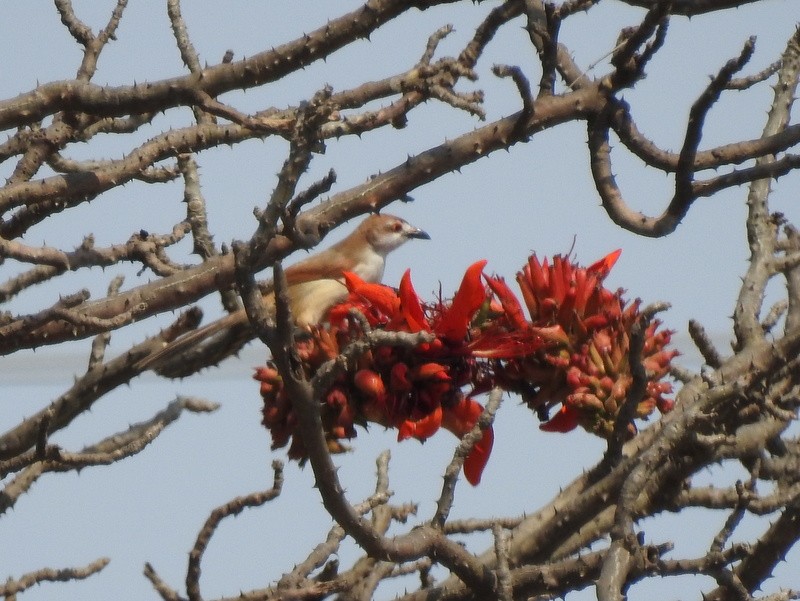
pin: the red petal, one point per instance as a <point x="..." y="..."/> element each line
<point x="459" y="420"/>
<point x="461" y="417"/>
<point x="352" y="281"/>
<point x="431" y="371"/>
<point x="478" y="457"/>
<point x="421" y="429"/>
<point x="507" y="345"/>
<point x="369" y="383"/>
<point x="538" y="274"/>
<point x="528" y="294"/>
<point x="604" y="265"/>
<point x="567" y="308"/>
<point x="467" y="301"/>
<point x="563" y="421"/>
<point x="410" y="306"/>
<point x="553" y="335"/>
<point x="338" y="313"/>
<point x="511" y="305"/>
<point x="559" y="280"/>
<point x="383" y="298"/>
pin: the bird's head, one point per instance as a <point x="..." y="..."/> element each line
<point x="386" y="232"/>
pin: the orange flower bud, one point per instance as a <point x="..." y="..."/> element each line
<point x="267" y="374"/>
<point x="431" y="371"/>
<point x="369" y="383"/>
<point x="422" y="428"/>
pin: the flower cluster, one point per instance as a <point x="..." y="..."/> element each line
<point x="571" y="350"/>
<point x="587" y="370"/>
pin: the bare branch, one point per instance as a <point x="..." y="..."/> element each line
<point x="157" y="96"/>
<point x="704" y="344"/>
<point x="445" y="502"/>
<point x="13" y="586"/>
<point x="761" y="229"/>
<point x="88" y="389"/>
<point x="744" y="83"/>
<point x="161" y="587"/>
<point x="231" y="508"/>
<point x="505" y="591"/>
<point x="77" y="28"/>
<point x="187" y="50"/>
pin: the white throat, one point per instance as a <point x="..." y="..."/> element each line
<point x="370" y="265"/>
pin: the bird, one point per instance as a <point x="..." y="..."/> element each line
<point x="314" y="285"/>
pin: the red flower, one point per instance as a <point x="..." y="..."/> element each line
<point x="460" y="419"/>
<point x="452" y="322"/>
<point x="567" y="294"/>
<point x="572" y="352"/>
<point x="587" y="370"/>
<point x="564" y="421"/>
<point x="410" y="306"/>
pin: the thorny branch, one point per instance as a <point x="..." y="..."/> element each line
<point x="231" y="508"/>
<point x="34" y="463"/>
<point x="737" y="411"/>
<point x="13" y="586"/>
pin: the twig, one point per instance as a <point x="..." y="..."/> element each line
<point x="704" y="344"/>
<point x="629" y="63"/>
<point x="231" y="508"/>
<point x="197" y="217"/>
<point x="776" y="311"/>
<point x="179" y="31"/>
<point x="743" y="499"/>
<point x="697" y="117"/>
<point x="505" y="589"/>
<point x="101" y="341"/>
<point x="744" y="83"/>
<point x="524" y="89"/>
<point x="433" y="43"/>
<point x="472" y="525"/>
<point x="465" y="446"/>
<point x="162" y="588"/>
<point x="77" y="28"/>
<point x="12" y="586"/>
<point x="88" y="389"/>
<point x="303" y="198"/>
<point x="50" y="458"/>
<point x="761" y="229"/>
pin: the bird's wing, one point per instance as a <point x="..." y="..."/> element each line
<point x="328" y="264"/>
<point x="325" y="265"/>
<point x="237" y="319"/>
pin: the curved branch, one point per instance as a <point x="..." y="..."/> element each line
<point x="262" y="68"/>
<point x="231" y="508"/>
<point x="686" y="189"/>
<point x="218" y="272"/>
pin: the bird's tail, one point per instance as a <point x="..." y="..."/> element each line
<point x="201" y="347"/>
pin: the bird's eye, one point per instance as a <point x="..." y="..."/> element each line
<point x="397" y="226"/>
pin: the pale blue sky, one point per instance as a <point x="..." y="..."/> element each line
<point x="537" y="197"/>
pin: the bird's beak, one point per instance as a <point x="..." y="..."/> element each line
<point x="415" y="232"/>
